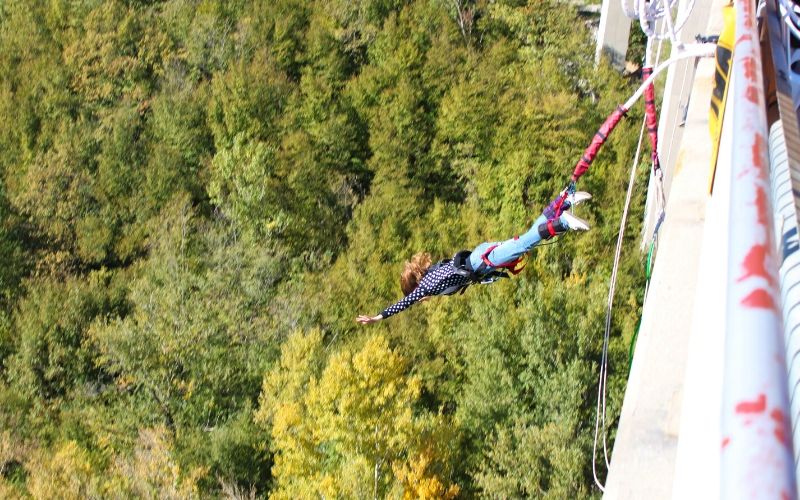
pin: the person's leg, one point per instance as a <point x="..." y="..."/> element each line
<point x="542" y="229"/>
<point x="554" y="220"/>
<point x="514" y="248"/>
<point x="475" y="256"/>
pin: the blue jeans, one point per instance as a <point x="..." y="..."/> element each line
<point x="509" y="250"/>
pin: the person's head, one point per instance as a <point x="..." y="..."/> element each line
<point x="413" y="271"/>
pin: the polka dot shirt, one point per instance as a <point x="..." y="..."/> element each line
<point x="433" y="283"/>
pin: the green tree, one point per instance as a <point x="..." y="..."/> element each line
<point x="194" y="342"/>
<point x="53" y="353"/>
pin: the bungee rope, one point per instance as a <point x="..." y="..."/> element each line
<point x="648" y="12"/>
<point x="608" y="126"/>
<point x="584" y="163"/>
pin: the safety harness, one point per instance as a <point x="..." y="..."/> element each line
<point x="463" y="266"/>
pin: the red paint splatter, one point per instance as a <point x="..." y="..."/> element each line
<point x="760" y="154"/>
<point x="781" y="436"/>
<point x="749" y="67"/>
<point x="755" y="264"/>
<point x="743" y="38"/>
<point x="785" y="495"/>
<point x="757" y="406"/>
<point x="781" y="423"/>
<point x="759" y="299"/>
<point x="725" y="442"/>
<point x="761" y="205"/>
<point x="751" y="94"/>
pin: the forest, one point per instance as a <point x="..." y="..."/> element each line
<point x="198" y="197"/>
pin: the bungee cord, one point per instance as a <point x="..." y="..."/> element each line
<point x="649" y="12"/>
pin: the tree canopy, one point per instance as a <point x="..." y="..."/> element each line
<point x="198" y="197"/>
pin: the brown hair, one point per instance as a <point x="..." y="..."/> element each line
<point x="413" y="271"/>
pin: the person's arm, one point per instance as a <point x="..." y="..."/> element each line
<point x="418" y="294"/>
<point x="365" y="320"/>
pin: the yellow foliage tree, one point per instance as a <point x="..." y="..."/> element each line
<point x="341" y="431"/>
<point x="362" y="410"/>
<point x="282" y="409"/>
<point x="418" y="482"/>
<point x="66" y="474"/>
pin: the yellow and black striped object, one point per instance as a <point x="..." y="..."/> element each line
<point x="720" y="93"/>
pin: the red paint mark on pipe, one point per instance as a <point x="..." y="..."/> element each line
<point x="749" y="67"/>
<point x="755" y="264"/>
<point x="781" y="424"/>
<point x="760" y="154"/>
<point x="781" y="436"/>
<point x="743" y="38"/>
<point x="785" y="495"/>
<point x="751" y="94"/>
<point x="761" y="205"/>
<point x="757" y="406"/>
<point x="725" y="442"/>
<point x="759" y="299"/>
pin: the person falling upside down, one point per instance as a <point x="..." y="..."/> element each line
<point x="486" y="263"/>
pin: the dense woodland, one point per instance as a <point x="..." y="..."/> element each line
<point x="198" y="198"/>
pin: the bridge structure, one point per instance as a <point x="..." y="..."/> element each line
<point x="712" y="403"/>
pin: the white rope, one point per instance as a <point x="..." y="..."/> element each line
<point x="648" y="13"/>
<point x="600" y="414"/>
<point x="657" y="184"/>
<point x="679" y="25"/>
<point x="791" y="21"/>
<point x="691" y="50"/>
<point x="601" y="391"/>
<point x="790" y="16"/>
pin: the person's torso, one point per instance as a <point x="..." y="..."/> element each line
<point x="444" y="279"/>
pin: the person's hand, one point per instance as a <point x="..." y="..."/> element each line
<point x="365" y="320"/>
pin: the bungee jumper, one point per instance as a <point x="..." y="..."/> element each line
<point x="491" y="261"/>
<point x="487" y="263"/>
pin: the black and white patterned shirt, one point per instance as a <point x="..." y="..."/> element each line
<point x="433" y="283"/>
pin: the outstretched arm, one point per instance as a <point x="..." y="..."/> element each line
<point x="417" y="295"/>
<point x="365" y="320"/>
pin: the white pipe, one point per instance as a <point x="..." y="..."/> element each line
<point x="756" y="450"/>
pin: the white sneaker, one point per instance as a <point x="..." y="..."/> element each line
<point x="574" y="222"/>
<point x="578" y="197"/>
